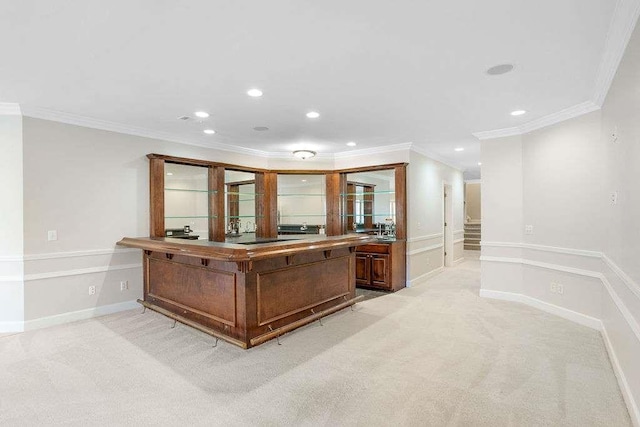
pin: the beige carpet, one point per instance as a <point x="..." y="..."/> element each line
<point x="435" y="354"/>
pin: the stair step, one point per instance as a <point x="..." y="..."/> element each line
<point x="472" y="247"/>
<point x="474" y="241"/>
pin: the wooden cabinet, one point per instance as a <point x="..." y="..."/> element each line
<point x="381" y="265"/>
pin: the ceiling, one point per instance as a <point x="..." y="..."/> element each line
<point x="379" y="73"/>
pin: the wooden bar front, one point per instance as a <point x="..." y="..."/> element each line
<point x="248" y="294"/>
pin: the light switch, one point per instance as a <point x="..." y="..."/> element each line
<point x="52" y="235"/>
<point x="614" y="198"/>
<point x="528" y="229"/>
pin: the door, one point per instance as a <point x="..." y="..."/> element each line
<point x="363" y="269"/>
<point x="380" y="270"/>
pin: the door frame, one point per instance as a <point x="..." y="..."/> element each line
<point x="447" y="218"/>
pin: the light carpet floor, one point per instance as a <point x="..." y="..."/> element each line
<point x="434" y="354"/>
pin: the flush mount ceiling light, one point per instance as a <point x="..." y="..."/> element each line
<point x="304" y="154"/>
<point x="351" y="144"/>
<point x="209" y="131"/>
<point x="518" y="112"/>
<point x="201" y="114"/>
<point x="500" y="69"/>
<point x="459" y="149"/>
<point x="255" y="93"/>
<point x="261" y="128"/>
<point x="313" y="114"/>
<point x="479" y="163"/>
<point x="170" y="173"/>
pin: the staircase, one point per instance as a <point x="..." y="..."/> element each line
<point x="472" y="234"/>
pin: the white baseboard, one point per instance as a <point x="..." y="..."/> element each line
<point x="458" y="261"/>
<point x="634" y="413"/>
<point x="73" y="316"/>
<point x="424" y="277"/>
<point x="565" y="313"/>
<point x="11" y="327"/>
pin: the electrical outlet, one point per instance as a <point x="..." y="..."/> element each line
<point x="614" y="135"/>
<point x="614" y="198"/>
<point x="556" y="288"/>
<point x="92" y="290"/>
<point x="528" y="229"/>
<point x="52" y="235"/>
<point x="124" y="285"/>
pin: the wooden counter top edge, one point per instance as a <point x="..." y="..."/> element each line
<point x="234" y="252"/>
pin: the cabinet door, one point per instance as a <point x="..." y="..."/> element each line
<point x="380" y="271"/>
<point x="363" y="269"/>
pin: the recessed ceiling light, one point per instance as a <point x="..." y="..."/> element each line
<point x="313" y="114"/>
<point x="518" y="112"/>
<point x="459" y="149"/>
<point x="255" y="93"/>
<point x="209" y="131"/>
<point x="170" y="173"/>
<point x="499" y="69"/>
<point x="201" y="114"/>
<point x="479" y="163"/>
<point x="260" y="128"/>
<point x="304" y="180"/>
<point x="351" y="144"/>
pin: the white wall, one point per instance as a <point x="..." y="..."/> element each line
<point x="560" y="180"/>
<point x="473" y="199"/>
<point x="11" y="222"/>
<point x="426" y="179"/>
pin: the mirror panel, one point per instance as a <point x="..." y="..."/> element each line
<point x="240" y="202"/>
<point x="301" y="204"/>
<point x="370" y="202"/>
<point x="186" y="205"/>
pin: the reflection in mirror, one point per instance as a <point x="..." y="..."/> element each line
<point x="240" y="202"/>
<point x="186" y="205"/>
<point x="301" y="204"/>
<point x="371" y="203"/>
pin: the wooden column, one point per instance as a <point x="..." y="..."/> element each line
<point x="267" y="204"/>
<point x="216" y="204"/>
<point x="336" y="187"/>
<point x="401" y="201"/>
<point x="156" y="197"/>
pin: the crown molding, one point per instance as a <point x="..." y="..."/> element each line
<point x="437" y="158"/>
<point x="287" y="155"/>
<point x="89" y="122"/>
<point x="497" y="133"/>
<point x="373" y="150"/>
<point x="9" y="109"/>
<point x="621" y="28"/>
<point x="551" y="119"/>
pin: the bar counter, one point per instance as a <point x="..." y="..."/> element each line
<point x="246" y="290"/>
